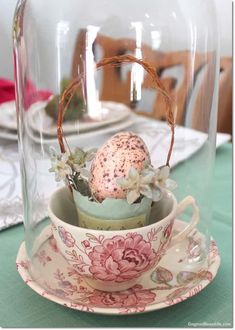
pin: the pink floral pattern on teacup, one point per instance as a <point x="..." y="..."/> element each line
<point x="120" y="259"/>
<point x="86" y="243"/>
<point x="66" y="237"/>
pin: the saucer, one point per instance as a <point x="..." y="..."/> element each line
<point x="171" y="282"/>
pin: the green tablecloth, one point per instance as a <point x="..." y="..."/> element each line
<point x="22" y="307"/>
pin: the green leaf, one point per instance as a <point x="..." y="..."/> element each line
<point x="161" y="275"/>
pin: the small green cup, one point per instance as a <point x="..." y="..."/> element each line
<point x="111" y="214"/>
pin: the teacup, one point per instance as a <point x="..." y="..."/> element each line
<point x="116" y="260"/>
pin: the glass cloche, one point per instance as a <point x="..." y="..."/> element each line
<point x="117" y="113"/>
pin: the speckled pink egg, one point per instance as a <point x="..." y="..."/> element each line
<point x="113" y="160"/>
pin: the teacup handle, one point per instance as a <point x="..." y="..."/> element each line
<point x="187" y="201"/>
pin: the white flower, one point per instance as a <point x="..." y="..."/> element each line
<point x="149" y="182"/>
<point x="71" y="166"/>
<point x="61" y="167"/>
<point x="161" y="178"/>
<point x="79" y="158"/>
<point x="138" y="184"/>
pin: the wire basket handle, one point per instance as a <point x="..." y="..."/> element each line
<point x="117" y="61"/>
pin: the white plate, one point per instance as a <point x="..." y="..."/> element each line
<point x="8" y="115"/>
<point x="110" y="113"/>
<point x="170" y="282"/>
<point x="8" y="134"/>
<point x="39" y="121"/>
<point x="82" y="137"/>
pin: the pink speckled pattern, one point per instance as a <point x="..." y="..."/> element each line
<point x="113" y="160"/>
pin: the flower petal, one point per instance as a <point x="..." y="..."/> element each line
<point x="157" y="194"/>
<point x="90" y="154"/>
<point x="64" y="157"/>
<point x="132" y="196"/>
<point x="133" y="174"/>
<point x="164" y="172"/>
<point x="123" y="182"/>
<point x="112" y="266"/>
<point x="147" y="178"/>
<point x="68" y="170"/>
<point x="78" y="153"/>
<point x="146" y="191"/>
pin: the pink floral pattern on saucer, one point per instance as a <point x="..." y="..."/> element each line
<point x="129" y="301"/>
<point x="134" y="299"/>
<point x="164" y="287"/>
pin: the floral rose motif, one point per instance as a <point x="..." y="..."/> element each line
<point x="66" y="237"/>
<point x="120" y="259"/>
<point x="86" y="244"/>
<point x="135" y="297"/>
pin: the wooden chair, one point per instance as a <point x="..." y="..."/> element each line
<point x="189" y="91"/>
<point x="225" y="95"/>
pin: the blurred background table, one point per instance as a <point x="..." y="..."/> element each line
<point x="22" y="307"/>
